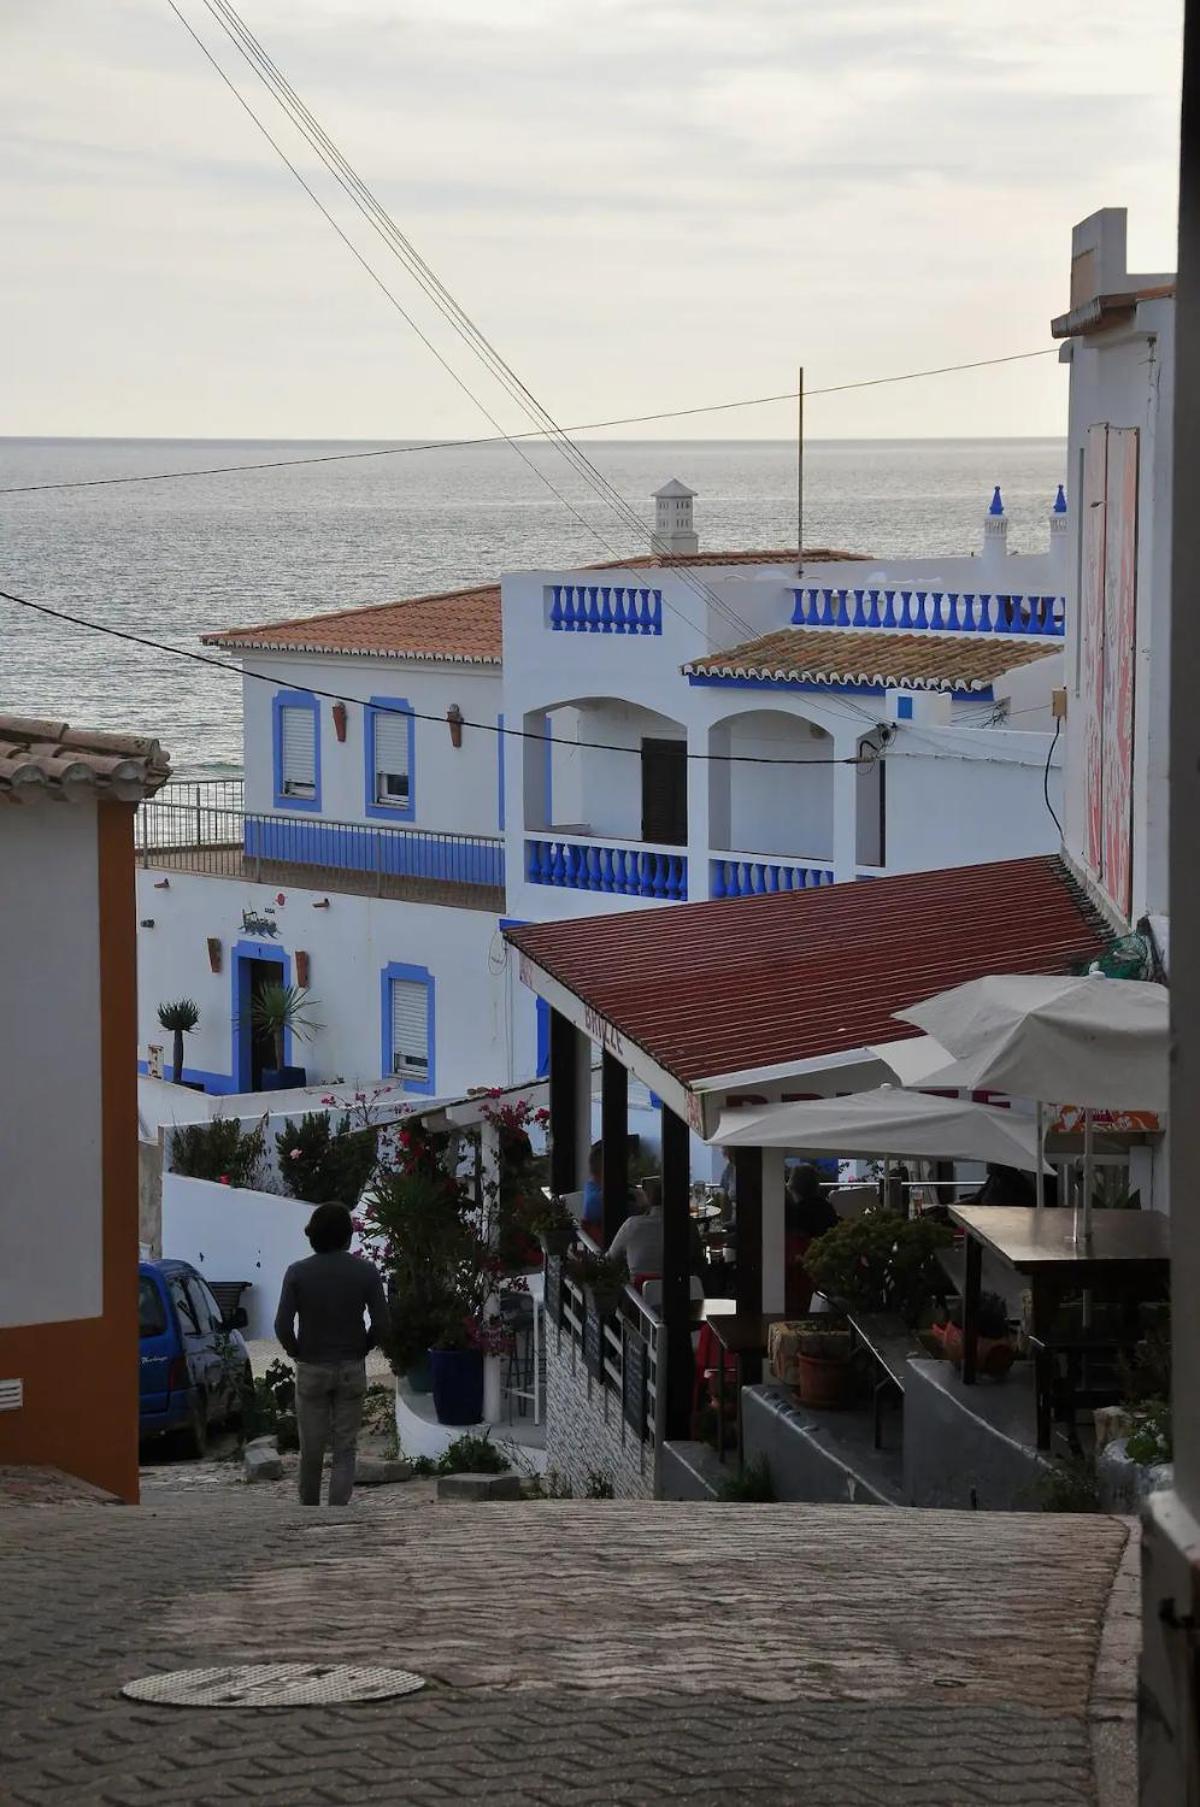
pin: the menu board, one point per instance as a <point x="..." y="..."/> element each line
<point x="633" y="1391"/>
<point x="593" y="1342"/>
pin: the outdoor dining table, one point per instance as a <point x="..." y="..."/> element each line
<point x="1125" y="1249"/>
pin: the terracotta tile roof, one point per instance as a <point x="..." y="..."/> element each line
<point x="39" y="758"/>
<point x="462" y="626"/>
<point x="924" y="661"/>
<point x="740" y="984"/>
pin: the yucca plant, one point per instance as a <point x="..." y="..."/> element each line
<point x="278" y="1008"/>
<point x="180" y="1018"/>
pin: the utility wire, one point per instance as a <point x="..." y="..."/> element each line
<point x="1046" y="773"/>
<point x="381" y="222"/>
<point x="268" y="72"/>
<point x="337" y="696"/>
<point x="456" y="445"/>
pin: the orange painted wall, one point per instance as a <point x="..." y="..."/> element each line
<point x="81" y="1378"/>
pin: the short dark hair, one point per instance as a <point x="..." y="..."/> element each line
<point x="652" y="1190"/>
<point x="329" y="1228"/>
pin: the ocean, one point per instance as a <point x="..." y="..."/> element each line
<point x="176" y="559"/>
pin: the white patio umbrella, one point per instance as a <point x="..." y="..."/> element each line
<point x="1098" y="1042"/>
<point x="888" y="1121"/>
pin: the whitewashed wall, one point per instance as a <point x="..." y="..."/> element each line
<point x="233" y="1234"/>
<point x="455" y="790"/>
<point x="484" y="1030"/>
<point x="51" y="1203"/>
<point x="946" y="808"/>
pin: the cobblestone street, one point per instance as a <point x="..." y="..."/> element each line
<point x="576" y="1652"/>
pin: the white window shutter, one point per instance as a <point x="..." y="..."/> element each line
<point x="410" y="1028"/>
<point x="298" y="742"/>
<point x="392" y="776"/>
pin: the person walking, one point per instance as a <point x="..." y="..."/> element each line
<point x="327" y="1295"/>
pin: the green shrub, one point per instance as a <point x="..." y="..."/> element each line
<point x="323" y="1165"/>
<point x="221" y="1150"/>
<point x="272" y="1410"/>
<point x="472" y="1455"/>
<point x="599" y="1486"/>
<point x="1151" y="1440"/>
<point x="1070" y="1486"/>
<point x="754" y="1485"/>
<point x="880" y="1262"/>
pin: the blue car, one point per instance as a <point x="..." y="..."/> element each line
<point x="195" y="1368"/>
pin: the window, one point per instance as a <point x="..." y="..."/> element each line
<point x="297" y="749"/>
<point x="189" y="1323"/>
<point x="410" y="1029"/>
<point x="152" y="1319"/>
<point x="392" y="776"/>
<point x="389" y="746"/>
<point x="208" y="1312"/>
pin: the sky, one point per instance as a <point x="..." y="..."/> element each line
<point x="644" y="206"/>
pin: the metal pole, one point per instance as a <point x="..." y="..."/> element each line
<point x="1088" y="1173"/>
<point x="1039" y="1117"/>
<point x="800" y="474"/>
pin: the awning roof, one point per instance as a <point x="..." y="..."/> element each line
<point x="742" y="984"/>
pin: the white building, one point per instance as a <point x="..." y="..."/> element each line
<point x="685" y="725"/>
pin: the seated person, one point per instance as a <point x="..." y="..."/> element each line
<point x="807" y="1214"/>
<point x="592" y="1216"/>
<point x="1006" y="1186"/>
<point x="640" y="1237"/>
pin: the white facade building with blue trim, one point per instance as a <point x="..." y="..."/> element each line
<point x="686" y="726"/>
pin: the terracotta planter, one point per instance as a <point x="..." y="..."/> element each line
<point x="994" y="1355"/>
<point x="823" y="1381"/>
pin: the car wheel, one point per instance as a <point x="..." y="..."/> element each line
<point x="195" y="1431"/>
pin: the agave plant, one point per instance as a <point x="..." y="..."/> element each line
<point x="279" y="1008"/>
<point x="180" y="1018"/>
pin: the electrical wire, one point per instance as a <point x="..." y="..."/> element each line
<point x="1046" y="773"/>
<point x="456" y="445"/>
<point x="351" y="184"/>
<point x="337" y="696"/>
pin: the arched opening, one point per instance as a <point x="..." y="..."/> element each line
<point x="773" y="793"/>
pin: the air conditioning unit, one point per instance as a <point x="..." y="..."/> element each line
<point x="12" y="1395"/>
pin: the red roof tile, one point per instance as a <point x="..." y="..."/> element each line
<point x="462" y="626"/>
<point x="924" y="661"/>
<point x="738" y="984"/>
<point x="45" y="758"/>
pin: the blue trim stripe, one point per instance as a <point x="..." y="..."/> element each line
<point x="457" y="859"/>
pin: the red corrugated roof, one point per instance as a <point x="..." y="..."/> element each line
<point x="738" y="984"/>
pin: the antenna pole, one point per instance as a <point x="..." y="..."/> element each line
<point x="800" y="475"/>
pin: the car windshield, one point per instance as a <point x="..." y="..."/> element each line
<point x="152" y="1318"/>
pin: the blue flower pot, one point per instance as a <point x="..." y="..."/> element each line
<point x="457" y="1385"/>
<point x="418" y="1376"/>
<point x="283" y="1079"/>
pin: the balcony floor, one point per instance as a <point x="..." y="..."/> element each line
<point x="232" y="862"/>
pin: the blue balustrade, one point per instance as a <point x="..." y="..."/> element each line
<point x="755" y="877"/>
<point x="947" y="611"/>
<point x="653" y="872"/>
<point x="384" y="852"/>
<point x="604" y="609"/>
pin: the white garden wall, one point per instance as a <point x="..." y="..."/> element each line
<point x="231" y="1234"/>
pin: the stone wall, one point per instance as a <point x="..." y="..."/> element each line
<point x="586" y="1429"/>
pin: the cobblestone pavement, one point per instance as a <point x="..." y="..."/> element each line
<point x="577" y="1652"/>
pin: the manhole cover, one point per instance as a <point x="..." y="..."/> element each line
<point x="273" y="1685"/>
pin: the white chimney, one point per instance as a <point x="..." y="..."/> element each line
<point x="995" y="531"/>
<point x="673" y="530"/>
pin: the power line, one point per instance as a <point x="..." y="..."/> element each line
<point x="337" y="696"/>
<point x="296" y="111"/>
<point x="455" y="445"/>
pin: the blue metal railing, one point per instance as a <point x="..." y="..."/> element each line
<point x="951" y="611"/>
<point x="603" y="609"/>
<point x="654" y="872"/>
<point x="742" y="877"/>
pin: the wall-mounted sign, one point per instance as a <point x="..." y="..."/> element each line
<point x="255" y="923"/>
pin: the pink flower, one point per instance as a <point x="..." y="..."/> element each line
<point x="294" y="1155"/>
<point x="330" y="1100"/>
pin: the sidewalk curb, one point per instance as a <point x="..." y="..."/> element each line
<point x="1112" y="1701"/>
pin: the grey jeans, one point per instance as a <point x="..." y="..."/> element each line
<point x="329" y="1404"/>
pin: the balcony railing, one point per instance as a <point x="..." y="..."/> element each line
<point x="742" y="875"/>
<point x="193" y="834"/>
<point x="948" y="611"/>
<point x="603" y="609"/>
<point x="632" y="870"/>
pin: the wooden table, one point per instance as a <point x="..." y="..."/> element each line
<point x="740" y="1334"/>
<point x="1125" y="1248"/>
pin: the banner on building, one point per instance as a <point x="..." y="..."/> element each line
<point x="1107" y="645"/>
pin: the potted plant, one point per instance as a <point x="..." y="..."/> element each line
<point x="551" y="1221"/>
<point x="995" y="1345"/>
<point x="600" y="1277"/>
<point x="456" y="1365"/>
<point x="412" y="1223"/>
<point x="824" y="1376"/>
<point x="880" y="1262"/>
<point x="180" y="1018"/>
<point x="276" y="1011"/>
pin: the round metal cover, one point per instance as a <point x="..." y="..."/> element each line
<point x="273" y="1685"/>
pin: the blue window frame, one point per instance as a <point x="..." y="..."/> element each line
<point x="389" y="749"/>
<point x="296" y="749"/>
<point x="408" y="1026"/>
